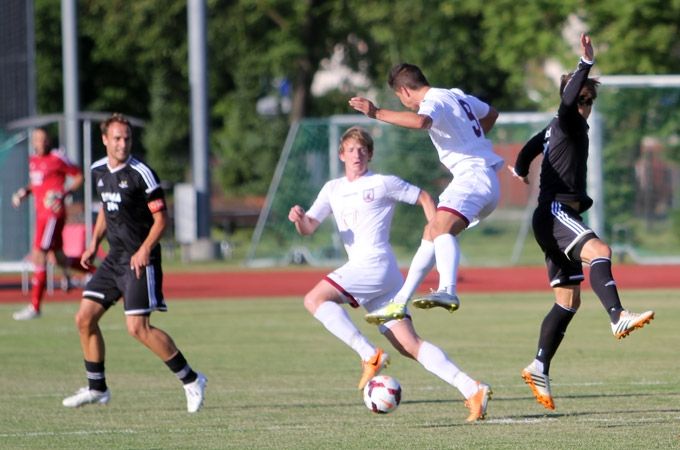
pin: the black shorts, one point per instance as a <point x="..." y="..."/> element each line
<point x="114" y="279"/>
<point x="561" y="233"/>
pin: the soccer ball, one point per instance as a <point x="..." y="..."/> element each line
<point x="382" y="394"/>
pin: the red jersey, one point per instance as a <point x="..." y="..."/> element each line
<point x="47" y="175"/>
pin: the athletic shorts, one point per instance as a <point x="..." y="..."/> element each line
<point x="370" y="283"/>
<point x="472" y="194"/>
<point x="561" y="234"/>
<point x="48" y="230"/>
<point x="114" y="280"/>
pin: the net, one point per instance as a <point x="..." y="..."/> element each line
<point x="633" y="170"/>
<point x="309" y="159"/>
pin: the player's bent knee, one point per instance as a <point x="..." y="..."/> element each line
<point x="85" y="322"/>
<point x="312" y="302"/>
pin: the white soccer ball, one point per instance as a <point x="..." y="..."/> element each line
<point x="382" y="394"/>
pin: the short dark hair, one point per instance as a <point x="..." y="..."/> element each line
<point x="590" y="84"/>
<point x="406" y="75"/>
<point x="115" y="118"/>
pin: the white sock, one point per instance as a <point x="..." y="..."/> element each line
<point x="447" y="255"/>
<point x="337" y="321"/>
<point x="422" y="263"/>
<point x="436" y="361"/>
<point x="539" y="365"/>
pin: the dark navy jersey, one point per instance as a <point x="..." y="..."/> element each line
<point x="564" y="144"/>
<point x="128" y="194"/>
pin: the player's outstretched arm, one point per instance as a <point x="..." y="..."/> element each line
<point x="406" y="119"/>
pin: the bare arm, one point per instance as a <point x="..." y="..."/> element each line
<point x="98" y="234"/>
<point x="427" y="203"/>
<point x="487" y="122"/>
<point x="406" y="119"/>
<point x="141" y="257"/>
<point x="304" y="224"/>
<point x="76" y="182"/>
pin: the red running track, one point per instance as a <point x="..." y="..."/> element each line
<point x="285" y="283"/>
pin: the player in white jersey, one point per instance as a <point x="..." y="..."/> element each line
<point x="457" y="124"/>
<point x="363" y="204"/>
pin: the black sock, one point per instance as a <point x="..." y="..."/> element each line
<point x="553" y="328"/>
<point x="604" y="286"/>
<point x="96" y="379"/>
<point x="181" y="368"/>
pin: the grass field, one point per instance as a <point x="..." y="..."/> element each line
<point x="277" y="379"/>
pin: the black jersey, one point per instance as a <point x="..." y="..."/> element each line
<point x="125" y="193"/>
<point x="564" y="143"/>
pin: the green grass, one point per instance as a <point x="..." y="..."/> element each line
<point x="277" y="379"/>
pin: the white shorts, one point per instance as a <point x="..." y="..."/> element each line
<point x="371" y="282"/>
<point x="472" y="194"/>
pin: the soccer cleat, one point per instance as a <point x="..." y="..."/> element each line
<point x="86" y="396"/>
<point x="373" y="366"/>
<point x="443" y="299"/>
<point x="629" y="321"/>
<point x="478" y="402"/>
<point x="26" y="313"/>
<point x="195" y="392"/>
<point x="539" y="384"/>
<point x="391" y="311"/>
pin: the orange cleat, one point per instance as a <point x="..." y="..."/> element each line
<point x="478" y="402"/>
<point x="539" y="384"/>
<point x="373" y="366"/>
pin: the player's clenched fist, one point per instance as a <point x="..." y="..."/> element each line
<point x="296" y="213"/>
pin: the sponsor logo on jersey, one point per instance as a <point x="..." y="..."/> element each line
<point x="111" y="200"/>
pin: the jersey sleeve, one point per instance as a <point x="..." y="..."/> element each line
<point x="321" y="208"/>
<point x="400" y="190"/>
<point x="432" y="109"/>
<point x="568" y="110"/>
<point x="479" y="108"/>
<point x="529" y="152"/>
<point x="67" y="166"/>
<point x="150" y="183"/>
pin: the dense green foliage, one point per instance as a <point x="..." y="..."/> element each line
<point x="133" y="58"/>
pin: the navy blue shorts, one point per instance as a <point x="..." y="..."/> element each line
<point x="561" y="234"/>
<point x="114" y="279"/>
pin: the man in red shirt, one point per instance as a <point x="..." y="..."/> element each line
<point x="49" y="171"/>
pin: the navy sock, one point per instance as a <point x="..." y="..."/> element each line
<point x="96" y="379"/>
<point x="181" y="368"/>
<point x="604" y="286"/>
<point x="553" y="328"/>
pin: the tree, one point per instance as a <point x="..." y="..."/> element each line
<point x="134" y="60"/>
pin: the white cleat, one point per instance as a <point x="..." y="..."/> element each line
<point x="85" y="396"/>
<point x="27" y="313"/>
<point x="629" y="321"/>
<point x="195" y="392"/>
<point x="443" y="299"/>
